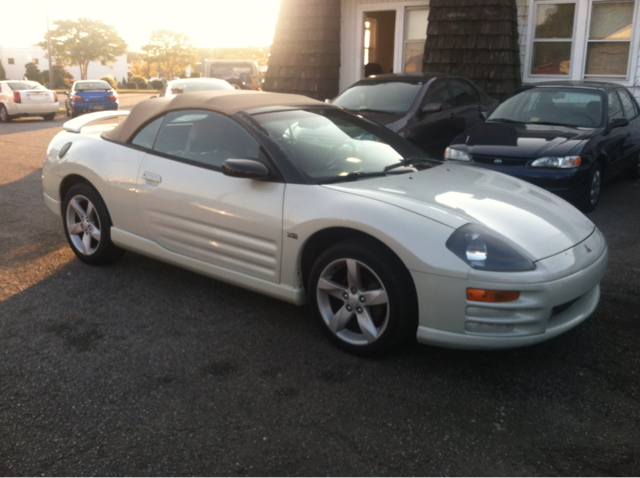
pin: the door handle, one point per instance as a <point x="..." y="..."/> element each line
<point x="151" y="177"/>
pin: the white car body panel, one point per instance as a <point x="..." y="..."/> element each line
<point x="253" y="233"/>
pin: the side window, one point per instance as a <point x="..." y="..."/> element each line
<point x="615" y="107"/>
<point x="205" y="138"/>
<point x="463" y="93"/>
<point x="437" y="93"/>
<point x="147" y="135"/>
<point x="628" y="105"/>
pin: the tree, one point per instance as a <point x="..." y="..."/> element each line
<point x="170" y="51"/>
<point x="3" y="74"/>
<point x="83" y="41"/>
<point x="62" y="79"/>
<point x="31" y="71"/>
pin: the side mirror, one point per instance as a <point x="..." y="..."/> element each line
<point x="432" y="108"/>
<point x="245" y="168"/>
<point x="618" y="123"/>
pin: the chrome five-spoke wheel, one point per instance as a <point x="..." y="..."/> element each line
<point x="363" y="297"/>
<point x="353" y="301"/>
<point x="83" y="224"/>
<point x="87" y="226"/>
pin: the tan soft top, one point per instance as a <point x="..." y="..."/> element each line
<point x="223" y="101"/>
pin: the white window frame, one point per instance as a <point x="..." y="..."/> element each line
<point x="579" y="44"/>
<point x="400" y="8"/>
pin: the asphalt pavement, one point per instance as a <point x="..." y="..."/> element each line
<point x="141" y="368"/>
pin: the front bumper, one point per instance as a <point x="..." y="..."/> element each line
<point x="545" y="309"/>
<point x="33" y="109"/>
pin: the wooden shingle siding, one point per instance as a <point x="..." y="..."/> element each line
<point x="477" y="39"/>
<point x="305" y="54"/>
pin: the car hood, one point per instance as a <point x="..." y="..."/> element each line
<point x="537" y="222"/>
<point x="528" y="141"/>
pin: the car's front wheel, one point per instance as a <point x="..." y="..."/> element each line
<point x="363" y="298"/>
<point x="87" y="226"/>
<point x="592" y="193"/>
<point x="5" y="117"/>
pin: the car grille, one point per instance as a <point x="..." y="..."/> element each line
<point x="499" y="161"/>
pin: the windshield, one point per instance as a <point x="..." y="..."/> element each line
<point x="25" y="85"/>
<point x="328" y="144"/>
<point x="387" y="97"/>
<point x="553" y="106"/>
<point x="92" y="85"/>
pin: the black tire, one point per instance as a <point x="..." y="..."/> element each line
<point x="87" y="226"/>
<point x="5" y="117"/>
<point x="591" y="194"/>
<point x="370" y="312"/>
<point x="49" y="117"/>
<point x="74" y="113"/>
<point x="633" y="171"/>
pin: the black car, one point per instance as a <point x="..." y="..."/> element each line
<point x="428" y="109"/>
<point x="566" y="137"/>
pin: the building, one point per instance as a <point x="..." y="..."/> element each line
<point x="321" y="46"/>
<point x="14" y="59"/>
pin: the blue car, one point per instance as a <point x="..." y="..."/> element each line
<point x="565" y="137"/>
<point x="87" y="96"/>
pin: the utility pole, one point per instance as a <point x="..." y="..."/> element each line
<point x="51" y="84"/>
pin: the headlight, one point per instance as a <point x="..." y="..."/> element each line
<point x="484" y="251"/>
<point x="557" y="162"/>
<point x="451" y="153"/>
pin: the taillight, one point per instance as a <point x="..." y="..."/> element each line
<point x="16" y="97"/>
<point x="113" y="96"/>
<point x="77" y="98"/>
<point x="55" y="96"/>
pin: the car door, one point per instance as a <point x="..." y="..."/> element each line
<point x="631" y="146"/>
<point x="433" y="131"/>
<point x="467" y="109"/>
<point x="190" y="207"/>
<point x="617" y="141"/>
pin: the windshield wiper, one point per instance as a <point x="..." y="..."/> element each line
<point x="411" y="160"/>
<point x="370" y="110"/>
<point x="504" y="120"/>
<point x="358" y="175"/>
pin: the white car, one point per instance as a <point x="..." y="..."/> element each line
<point x="303" y="201"/>
<point x="189" y="85"/>
<point x="26" y="98"/>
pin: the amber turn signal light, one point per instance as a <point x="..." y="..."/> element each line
<point x="482" y="295"/>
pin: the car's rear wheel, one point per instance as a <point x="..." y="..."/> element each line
<point x="363" y="298"/>
<point x="592" y="192"/>
<point x="49" y="117"/>
<point x="87" y="226"/>
<point x="5" y="117"/>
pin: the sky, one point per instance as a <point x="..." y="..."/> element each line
<point x="209" y="23"/>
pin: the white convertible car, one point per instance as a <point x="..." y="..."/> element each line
<point x="304" y="201"/>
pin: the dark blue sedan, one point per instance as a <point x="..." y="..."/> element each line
<point x="566" y="137"/>
<point x="87" y="96"/>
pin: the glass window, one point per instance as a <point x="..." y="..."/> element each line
<point x="615" y="107"/>
<point x="205" y="138"/>
<point x="327" y="145"/>
<point x="12" y="61"/>
<point x="609" y="38"/>
<point x="582" y="38"/>
<point x="553" y="39"/>
<point x="628" y="104"/>
<point x="463" y="93"/>
<point x="147" y="135"/>
<point x="438" y="92"/>
<point x="415" y="36"/>
<point x="384" y="96"/>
